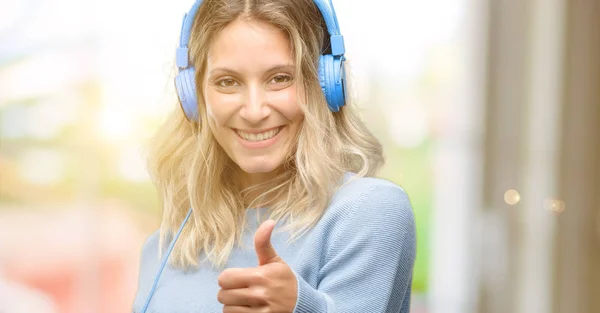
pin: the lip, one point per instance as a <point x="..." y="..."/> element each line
<point x="254" y="131"/>
<point x="259" y="144"/>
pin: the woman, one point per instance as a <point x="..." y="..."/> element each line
<point x="265" y="130"/>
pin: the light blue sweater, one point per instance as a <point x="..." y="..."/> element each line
<point x="358" y="258"/>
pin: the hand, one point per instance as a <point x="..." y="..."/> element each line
<point x="269" y="288"/>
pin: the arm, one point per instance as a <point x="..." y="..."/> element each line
<point x="369" y="268"/>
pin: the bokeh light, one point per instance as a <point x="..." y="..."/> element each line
<point x="554" y="205"/>
<point x="512" y="197"/>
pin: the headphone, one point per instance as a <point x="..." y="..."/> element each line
<point x="332" y="76"/>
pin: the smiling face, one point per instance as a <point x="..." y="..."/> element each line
<point x="251" y="96"/>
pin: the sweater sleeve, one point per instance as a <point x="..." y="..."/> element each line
<point x="369" y="265"/>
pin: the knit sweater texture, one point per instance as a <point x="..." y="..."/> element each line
<point x="358" y="258"/>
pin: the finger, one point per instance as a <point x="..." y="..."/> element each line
<point x="262" y="244"/>
<point x="248" y="297"/>
<point x="233" y="278"/>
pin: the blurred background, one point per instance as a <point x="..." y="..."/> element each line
<point x="489" y="112"/>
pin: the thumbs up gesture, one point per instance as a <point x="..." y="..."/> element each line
<point x="271" y="287"/>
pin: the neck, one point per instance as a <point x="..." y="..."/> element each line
<point x="254" y="184"/>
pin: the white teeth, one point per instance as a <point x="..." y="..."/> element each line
<point x="260" y="136"/>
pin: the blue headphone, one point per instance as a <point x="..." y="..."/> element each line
<point x="332" y="76"/>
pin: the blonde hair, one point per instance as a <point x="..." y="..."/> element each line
<point x="190" y="169"/>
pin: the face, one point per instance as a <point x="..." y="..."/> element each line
<point x="251" y="96"/>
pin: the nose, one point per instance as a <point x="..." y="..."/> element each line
<point x="255" y="108"/>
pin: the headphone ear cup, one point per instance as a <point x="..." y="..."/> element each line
<point x="322" y="78"/>
<point x="332" y="80"/>
<point x="185" y="84"/>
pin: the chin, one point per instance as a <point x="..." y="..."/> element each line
<point x="259" y="164"/>
<point x="253" y="167"/>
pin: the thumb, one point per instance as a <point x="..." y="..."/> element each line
<point x="262" y="244"/>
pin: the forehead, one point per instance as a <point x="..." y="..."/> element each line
<point x="252" y="43"/>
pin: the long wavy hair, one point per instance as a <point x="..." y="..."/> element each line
<point x="190" y="169"/>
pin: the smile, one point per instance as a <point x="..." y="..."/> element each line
<point x="255" y="137"/>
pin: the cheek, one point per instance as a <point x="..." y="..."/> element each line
<point x="219" y="107"/>
<point x="288" y="104"/>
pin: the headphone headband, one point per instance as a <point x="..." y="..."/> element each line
<point x="336" y="38"/>
<point x="326" y="8"/>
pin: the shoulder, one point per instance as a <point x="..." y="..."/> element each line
<point x="150" y="248"/>
<point x="353" y="184"/>
<point x="365" y="200"/>
<point x="374" y="211"/>
<point x="148" y="263"/>
<point x="370" y="193"/>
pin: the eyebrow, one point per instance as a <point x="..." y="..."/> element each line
<point x="288" y="67"/>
